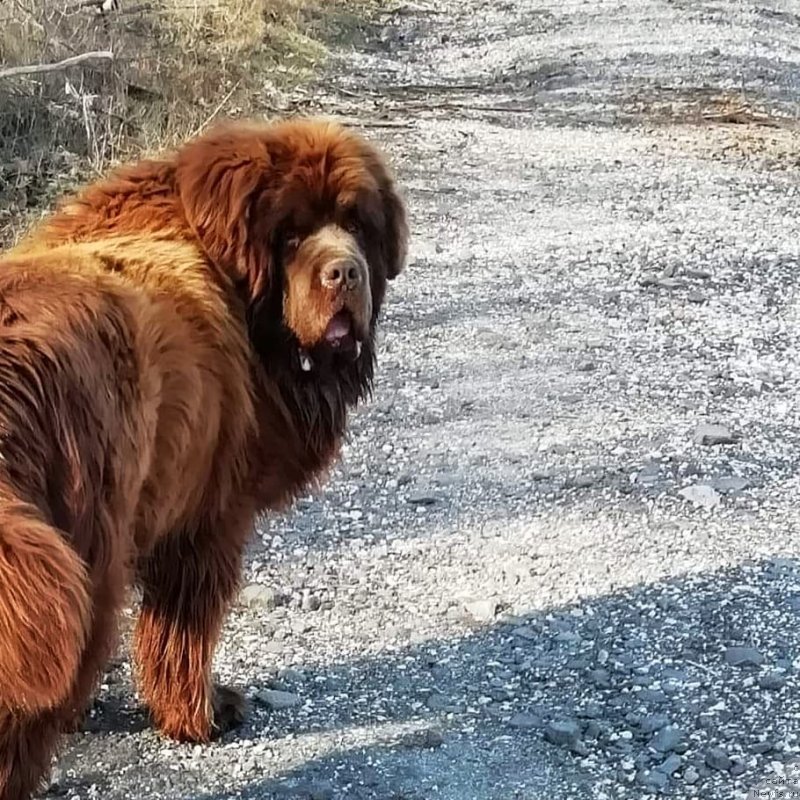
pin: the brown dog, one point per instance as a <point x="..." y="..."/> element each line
<point x="179" y="346"/>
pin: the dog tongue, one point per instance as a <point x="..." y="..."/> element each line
<point x="338" y="327"/>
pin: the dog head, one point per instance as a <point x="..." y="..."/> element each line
<point x="305" y="217"/>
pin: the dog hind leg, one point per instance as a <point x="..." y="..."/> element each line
<point x="45" y="618"/>
<point x="27" y="743"/>
<point x="45" y="611"/>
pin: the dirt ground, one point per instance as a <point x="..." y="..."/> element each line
<point x="559" y="559"/>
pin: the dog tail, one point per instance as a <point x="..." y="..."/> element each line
<point x="45" y="610"/>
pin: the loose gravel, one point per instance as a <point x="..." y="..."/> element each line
<point x="559" y="558"/>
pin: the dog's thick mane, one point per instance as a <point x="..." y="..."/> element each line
<point x="318" y="403"/>
<point x="144" y="198"/>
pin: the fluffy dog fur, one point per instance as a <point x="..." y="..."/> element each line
<point x="179" y="346"/>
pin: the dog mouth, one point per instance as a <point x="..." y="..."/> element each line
<point x="340" y="339"/>
<point x="340" y="333"/>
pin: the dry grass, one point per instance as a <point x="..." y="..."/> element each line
<point x="177" y="65"/>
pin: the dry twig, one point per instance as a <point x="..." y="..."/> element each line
<point x="38" y="69"/>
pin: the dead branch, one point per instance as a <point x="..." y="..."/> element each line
<point x="140" y="9"/>
<point x="361" y="122"/>
<point x="742" y="116"/>
<point x="216" y="110"/>
<point x="38" y="69"/>
<point x="101" y="6"/>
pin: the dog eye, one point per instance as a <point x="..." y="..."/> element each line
<point x="291" y="243"/>
<point x="353" y="227"/>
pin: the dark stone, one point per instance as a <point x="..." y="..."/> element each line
<point x="670" y="764"/>
<point x="718" y="759"/>
<point x="653" y="723"/>
<point x="525" y="721"/>
<point x="667" y="739"/>
<point x="707" y="434"/>
<point x="743" y="657"/>
<point x="772" y="681"/>
<point x="562" y="732"/>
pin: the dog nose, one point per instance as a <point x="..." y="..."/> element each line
<point x="339" y="276"/>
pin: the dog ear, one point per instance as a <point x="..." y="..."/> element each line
<point x="395" y="245"/>
<point x="394" y="242"/>
<point x="222" y="181"/>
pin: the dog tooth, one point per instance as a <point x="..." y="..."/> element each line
<point x="305" y="362"/>
<point x="358" y="349"/>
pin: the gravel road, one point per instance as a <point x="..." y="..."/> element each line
<point x="559" y="559"/>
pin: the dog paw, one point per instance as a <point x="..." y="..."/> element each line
<point x="75" y="723"/>
<point x="77" y="719"/>
<point x="230" y="709"/>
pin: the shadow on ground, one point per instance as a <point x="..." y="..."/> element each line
<point x="655" y="684"/>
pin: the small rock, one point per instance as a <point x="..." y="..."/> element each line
<point x="257" y="596"/>
<point x="667" y="739"/>
<point x="319" y="791"/>
<point x="600" y="677"/>
<point x="500" y="694"/>
<point x="653" y="723"/>
<point x="584" y="481"/>
<point x="593" y="729"/>
<point x="707" y="434"/>
<point x="772" y="681"/>
<point x="524" y="721"/>
<point x="670" y="764"/>
<point x="730" y="484"/>
<point x="701" y="495"/>
<point x="696" y="297"/>
<point x="562" y="732"/>
<point x="743" y="657"/>
<point x="717" y="758"/>
<point x="778" y="768"/>
<point x="653" y="697"/>
<point x="653" y="779"/>
<point x="593" y="710"/>
<point x="310" y="602"/>
<point x="649" y="474"/>
<point x="671" y="283"/>
<point x="422" y="499"/>
<point x="433" y="738"/>
<point x="276" y="699"/>
<point x="580" y="749"/>
<point x="525" y="632"/>
<point x="482" y="610"/>
<point x="738" y="768"/>
<point x="674" y="674"/>
<point x="691" y="776"/>
<point x="586" y="366"/>
<point x="445" y="704"/>
<point x="543" y="475"/>
<point x="430" y="739"/>
<point x="619" y="701"/>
